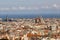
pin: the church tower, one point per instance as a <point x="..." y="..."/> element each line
<point x="39" y="20"/>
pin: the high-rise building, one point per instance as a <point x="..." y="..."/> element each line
<point x="6" y="18"/>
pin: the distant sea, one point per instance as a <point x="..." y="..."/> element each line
<point x="30" y="15"/>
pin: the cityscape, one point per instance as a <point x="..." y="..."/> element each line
<point x="38" y="28"/>
<point x="29" y="19"/>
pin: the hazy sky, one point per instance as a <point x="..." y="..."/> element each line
<point x="38" y="6"/>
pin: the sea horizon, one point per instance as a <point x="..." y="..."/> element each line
<point x="30" y="15"/>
